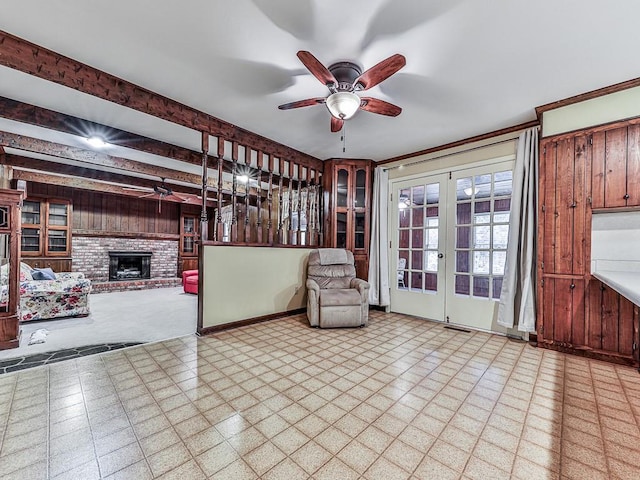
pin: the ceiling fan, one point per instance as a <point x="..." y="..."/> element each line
<point x="162" y="190"/>
<point x="344" y="79"/>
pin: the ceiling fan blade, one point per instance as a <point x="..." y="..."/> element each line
<point x="316" y="68"/>
<point x="302" y="103"/>
<point x="380" y="72"/>
<point x="147" y="195"/>
<point x="336" y="124"/>
<point x="375" y="105"/>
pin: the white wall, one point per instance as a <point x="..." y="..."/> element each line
<point x="597" y="111"/>
<point x="615" y="241"/>
<point x="248" y="282"/>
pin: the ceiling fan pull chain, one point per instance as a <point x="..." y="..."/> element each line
<point x="344" y="137"/>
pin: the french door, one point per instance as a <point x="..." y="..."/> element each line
<point x="448" y="245"/>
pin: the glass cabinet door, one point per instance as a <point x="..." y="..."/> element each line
<point x="343" y="188"/>
<point x="31" y="227"/>
<point x="57" y="241"/>
<point x="188" y="234"/>
<point x="361" y="189"/>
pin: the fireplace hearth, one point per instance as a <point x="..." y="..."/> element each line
<point x="131" y="265"/>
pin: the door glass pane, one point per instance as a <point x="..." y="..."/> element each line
<point x="416" y="281"/>
<point x="499" y="259"/>
<point x="481" y="287"/>
<point x="416" y="217"/>
<point x="480" y="262"/>
<point x="462" y="284"/>
<point x="416" y="260"/>
<point x="404" y="239"/>
<point x="432" y="261"/>
<point x="403" y="255"/>
<point x="462" y="262"/>
<point x="433" y="193"/>
<point x="431" y="282"/>
<point x="189" y="225"/>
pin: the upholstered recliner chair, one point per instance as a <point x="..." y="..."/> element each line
<point x="336" y="298"/>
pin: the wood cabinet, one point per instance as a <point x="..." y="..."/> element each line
<point x="580" y="172"/>
<point x="189" y="235"/>
<point x="347" y="208"/>
<point x="10" y="266"/>
<point x="46" y="228"/>
<point x="46" y="233"/>
<point x="55" y="264"/>
<point x="616" y="167"/>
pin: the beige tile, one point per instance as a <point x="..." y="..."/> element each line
<point x="290" y="440"/>
<point x="431" y="469"/>
<point x="449" y="455"/>
<point x="86" y="471"/>
<point x="357" y="456"/>
<point x="403" y="455"/>
<point x="264" y="458"/>
<point x="119" y="459"/>
<point x="332" y="440"/>
<point x="216" y="458"/>
<point x="166" y="460"/>
<point x="247" y="441"/>
<point x="286" y="470"/>
<point x="139" y="470"/>
<point x="311" y="457"/>
<point x="335" y="469"/>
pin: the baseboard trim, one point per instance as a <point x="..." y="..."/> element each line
<point x="249" y="321"/>
<point x="589" y="353"/>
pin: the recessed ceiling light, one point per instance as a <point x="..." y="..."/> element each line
<point x="96" y="141"/>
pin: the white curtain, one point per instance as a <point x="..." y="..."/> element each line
<point x="517" y="299"/>
<point x="378" y="253"/>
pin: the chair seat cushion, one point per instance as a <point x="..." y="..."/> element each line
<point x="339" y="296"/>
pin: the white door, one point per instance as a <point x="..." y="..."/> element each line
<point x="479" y="203"/>
<point x="418" y="244"/>
<point x="449" y="245"/>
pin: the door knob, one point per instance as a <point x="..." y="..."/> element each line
<point x="441" y="255"/>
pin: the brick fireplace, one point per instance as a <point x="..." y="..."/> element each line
<point x="91" y="256"/>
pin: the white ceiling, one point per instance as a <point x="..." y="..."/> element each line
<point x="472" y="66"/>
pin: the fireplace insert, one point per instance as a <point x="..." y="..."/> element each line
<point x="129" y="265"/>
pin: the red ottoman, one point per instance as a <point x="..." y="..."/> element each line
<point x="190" y="281"/>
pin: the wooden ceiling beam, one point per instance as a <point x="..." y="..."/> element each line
<point x="27" y="57"/>
<point x="95" y="186"/>
<point x="60" y="168"/>
<point x="60" y="122"/>
<point x="30" y="144"/>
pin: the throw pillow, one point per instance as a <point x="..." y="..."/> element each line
<point x="43" y="274"/>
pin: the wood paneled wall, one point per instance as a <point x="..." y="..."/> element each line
<point x="100" y="213"/>
<point x="594" y="169"/>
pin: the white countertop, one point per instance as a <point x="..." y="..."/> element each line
<point x="627" y="283"/>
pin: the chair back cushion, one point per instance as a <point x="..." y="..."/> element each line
<point x="333" y="268"/>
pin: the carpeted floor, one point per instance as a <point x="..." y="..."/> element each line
<point x="116" y="317"/>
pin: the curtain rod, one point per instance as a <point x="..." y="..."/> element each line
<point x="445" y="155"/>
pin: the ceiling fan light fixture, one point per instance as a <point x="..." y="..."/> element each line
<point x="343" y="105"/>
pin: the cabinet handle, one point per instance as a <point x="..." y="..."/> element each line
<point x="572" y="286"/>
<point x="626" y="196"/>
<point x="573" y="205"/>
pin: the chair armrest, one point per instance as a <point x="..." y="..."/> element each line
<point x="361" y="285"/>
<point x="313" y="285"/>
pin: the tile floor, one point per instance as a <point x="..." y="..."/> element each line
<point x="403" y="398"/>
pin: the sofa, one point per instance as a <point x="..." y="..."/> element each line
<point x="190" y="281"/>
<point x="64" y="294"/>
